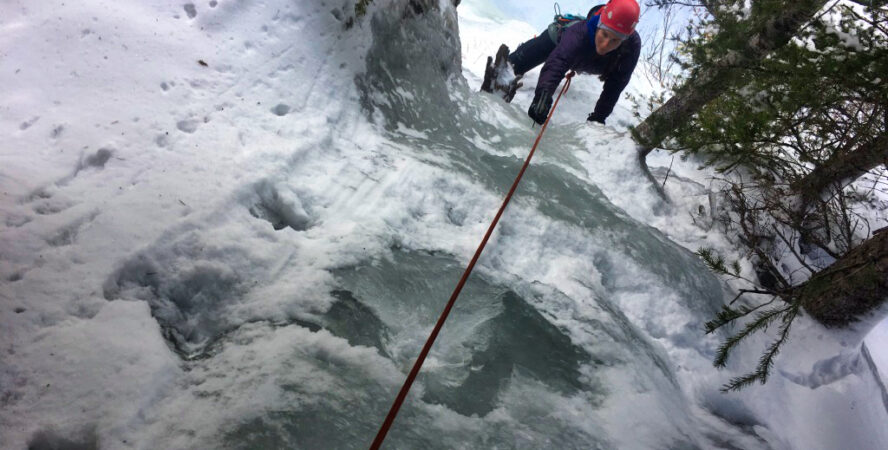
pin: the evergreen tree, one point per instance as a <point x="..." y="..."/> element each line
<point x="789" y="127"/>
<point x="717" y="45"/>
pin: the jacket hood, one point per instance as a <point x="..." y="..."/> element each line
<point x="592" y="26"/>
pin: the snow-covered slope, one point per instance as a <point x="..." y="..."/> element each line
<point x="231" y="225"/>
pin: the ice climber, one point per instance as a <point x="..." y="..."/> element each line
<point x="605" y="43"/>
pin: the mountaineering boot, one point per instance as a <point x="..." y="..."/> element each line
<point x="499" y="76"/>
<point x="490" y="70"/>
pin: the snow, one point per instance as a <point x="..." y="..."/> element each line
<point x="876" y="341"/>
<point x="228" y="224"/>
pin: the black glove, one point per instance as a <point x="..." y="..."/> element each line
<point x="539" y="107"/>
<point x="595" y="118"/>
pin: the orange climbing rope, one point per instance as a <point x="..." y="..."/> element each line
<point x="390" y="418"/>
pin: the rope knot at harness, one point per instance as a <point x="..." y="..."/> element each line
<point x="402" y="394"/>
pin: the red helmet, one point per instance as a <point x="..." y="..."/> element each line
<point x="620" y="16"/>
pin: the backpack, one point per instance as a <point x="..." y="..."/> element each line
<point x="563" y="21"/>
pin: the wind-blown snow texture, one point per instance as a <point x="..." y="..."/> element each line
<point x="232" y="225"/>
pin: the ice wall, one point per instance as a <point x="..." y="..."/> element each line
<point x="233" y="225"/>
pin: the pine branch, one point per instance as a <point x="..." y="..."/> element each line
<point x="766" y="362"/>
<point x="714" y="261"/>
<point x="761" y="323"/>
<point x="750" y="291"/>
<point x="728" y="315"/>
<point x="740" y="383"/>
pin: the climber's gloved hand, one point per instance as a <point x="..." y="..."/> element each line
<point x="539" y="107"/>
<point x="595" y="118"/>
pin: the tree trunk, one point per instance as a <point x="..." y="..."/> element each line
<point x="843" y="167"/>
<point x="853" y="287"/>
<point x="696" y="93"/>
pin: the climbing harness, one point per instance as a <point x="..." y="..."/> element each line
<point x="390" y="418"/>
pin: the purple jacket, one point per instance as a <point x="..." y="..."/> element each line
<point x="576" y="51"/>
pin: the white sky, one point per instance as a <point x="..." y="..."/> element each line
<point x="540" y="14"/>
